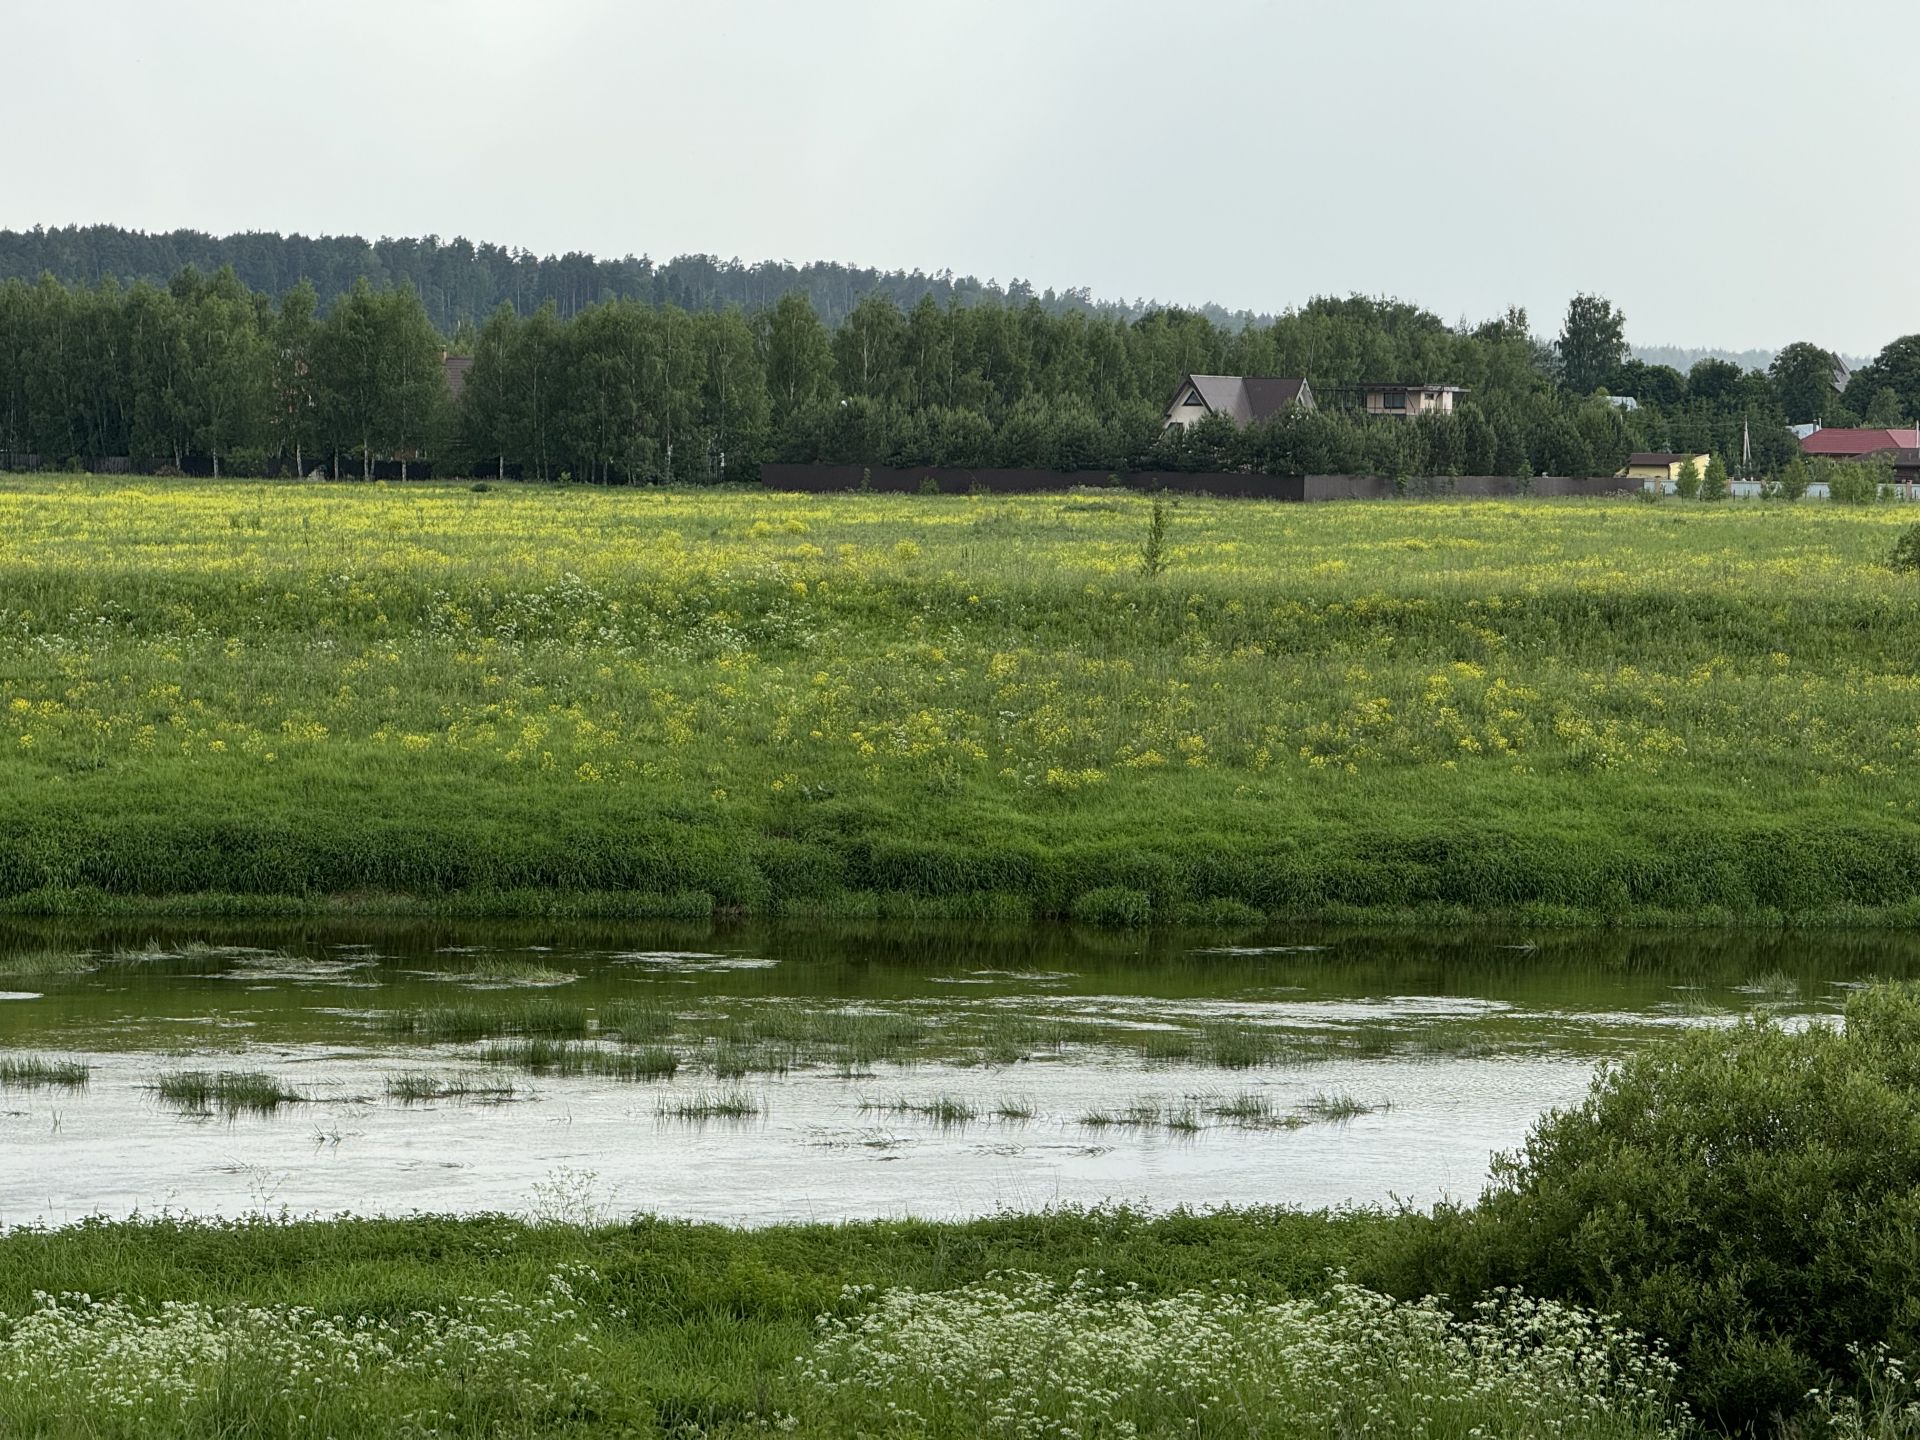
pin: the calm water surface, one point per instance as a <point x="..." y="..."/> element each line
<point x="1016" y="1068"/>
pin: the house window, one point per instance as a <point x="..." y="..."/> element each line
<point x="1193" y="398"/>
<point x="1393" y="400"/>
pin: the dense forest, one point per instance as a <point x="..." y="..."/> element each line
<point x="461" y="283"/>
<point x="208" y="369"/>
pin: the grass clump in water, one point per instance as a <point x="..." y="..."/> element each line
<point x="1169" y="1045"/>
<point x="638" y="1022"/>
<point x="1253" y="1110"/>
<point x="43" y="965"/>
<point x="710" y="1105"/>
<point x="1175" y="1117"/>
<point x="1341" y="1105"/>
<point x="941" y="1109"/>
<point x="542" y="1055"/>
<point x="506" y="970"/>
<point x="417" y="1087"/>
<point x="652" y="1062"/>
<point x="451" y="1024"/>
<point x="732" y="1061"/>
<point x="1241" y="1047"/>
<point x="34" y="1072"/>
<point x="232" y="1092"/>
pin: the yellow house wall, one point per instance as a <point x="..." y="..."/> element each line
<point x="1667" y="473"/>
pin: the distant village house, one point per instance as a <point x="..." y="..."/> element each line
<point x="1846" y="443"/>
<point x="1409" y="402"/>
<point x="1662" y="467"/>
<point x="1244" y="399"/>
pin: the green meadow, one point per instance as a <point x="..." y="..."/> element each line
<point x="285" y="697"/>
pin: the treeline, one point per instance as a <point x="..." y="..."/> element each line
<point x="461" y="283"/>
<point x="622" y="391"/>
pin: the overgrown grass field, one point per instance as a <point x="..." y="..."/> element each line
<point x="1106" y="1324"/>
<point x="518" y="699"/>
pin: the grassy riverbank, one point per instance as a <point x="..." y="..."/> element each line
<point x="497" y="1327"/>
<point x="299" y="698"/>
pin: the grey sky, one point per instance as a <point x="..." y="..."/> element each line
<point x="1729" y="172"/>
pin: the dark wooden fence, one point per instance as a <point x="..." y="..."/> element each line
<point x="928" y="480"/>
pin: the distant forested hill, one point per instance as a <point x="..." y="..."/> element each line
<point x="1684" y="357"/>
<point x="462" y="283"/>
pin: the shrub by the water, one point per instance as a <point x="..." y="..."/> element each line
<point x="1750" y="1195"/>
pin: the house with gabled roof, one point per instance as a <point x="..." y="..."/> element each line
<point x="1244" y="399"/>
<point x="1850" y="443"/>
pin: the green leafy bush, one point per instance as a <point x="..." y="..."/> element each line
<point x="1750" y="1196"/>
<point x="1855" y="482"/>
<point x="1906" y="549"/>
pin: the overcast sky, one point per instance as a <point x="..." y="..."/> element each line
<point x="1729" y="172"/>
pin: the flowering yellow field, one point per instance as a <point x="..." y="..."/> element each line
<point x="968" y="704"/>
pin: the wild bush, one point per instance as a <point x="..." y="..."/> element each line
<point x="1906" y="549"/>
<point x="1751" y="1196"/>
<point x="1853" y="483"/>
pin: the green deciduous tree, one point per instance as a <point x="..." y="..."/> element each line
<point x="798" y="357"/>
<point x="1897" y="369"/>
<point x="1593" y="343"/>
<point x="1803" y="382"/>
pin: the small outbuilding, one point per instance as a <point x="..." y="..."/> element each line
<point x="1662" y="466"/>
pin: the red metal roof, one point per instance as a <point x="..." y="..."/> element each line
<point x="1842" y="441"/>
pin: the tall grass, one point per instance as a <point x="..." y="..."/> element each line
<point x="484" y="1020"/>
<point x="663" y="1328"/>
<point x="1549" y="710"/>
<point x="34" y="1072"/>
<point x="232" y="1092"/>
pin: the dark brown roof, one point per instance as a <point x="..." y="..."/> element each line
<point x="457" y="367"/>
<point x="1268" y="395"/>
